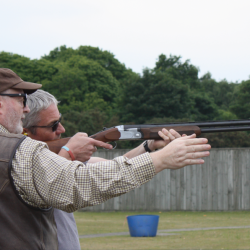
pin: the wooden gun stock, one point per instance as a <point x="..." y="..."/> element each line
<point x="111" y="134"/>
<point x="106" y="136"/>
<point x="152" y="133"/>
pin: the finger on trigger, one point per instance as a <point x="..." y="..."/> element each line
<point x="104" y="145"/>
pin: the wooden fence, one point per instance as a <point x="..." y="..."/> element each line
<point x="221" y="184"/>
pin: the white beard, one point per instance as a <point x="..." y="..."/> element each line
<point x="13" y="122"/>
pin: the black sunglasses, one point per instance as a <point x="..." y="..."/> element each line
<point x="18" y="95"/>
<point x="54" y="126"/>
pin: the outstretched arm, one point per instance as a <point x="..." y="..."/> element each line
<point x="70" y="185"/>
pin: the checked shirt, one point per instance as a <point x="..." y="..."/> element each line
<point x="44" y="179"/>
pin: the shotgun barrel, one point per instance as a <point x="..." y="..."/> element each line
<point x="199" y="124"/>
<point x="189" y="127"/>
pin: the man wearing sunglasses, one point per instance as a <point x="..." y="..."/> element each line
<point x="43" y="122"/>
<point x="33" y="179"/>
<point x="43" y="110"/>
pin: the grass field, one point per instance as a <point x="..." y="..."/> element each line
<point x="99" y="223"/>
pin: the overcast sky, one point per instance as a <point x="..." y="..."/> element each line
<point x="212" y="34"/>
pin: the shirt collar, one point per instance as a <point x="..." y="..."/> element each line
<point x="3" y="129"/>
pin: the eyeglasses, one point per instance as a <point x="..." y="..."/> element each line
<point x="18" y="95"/>
<point x="54" y="126"/>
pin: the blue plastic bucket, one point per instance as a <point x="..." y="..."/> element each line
<point x="143" y="225"/>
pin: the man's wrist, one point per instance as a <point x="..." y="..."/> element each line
<point x="69" y="152"/>
<point x="146" y="147"/>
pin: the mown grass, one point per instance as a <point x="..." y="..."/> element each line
<point x="98" y="223"/>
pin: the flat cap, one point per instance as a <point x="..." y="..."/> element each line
<point x="10" y="80"/>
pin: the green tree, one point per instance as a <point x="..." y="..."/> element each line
<point x="228" y="139"/>
<point x="90" y="121"/>
<point x="241" y="105"/>
<point x="204" y="107"/>
<point x="29" y="70"/>
<point x="221" y="92"/>
<point x="155" y="94"/>
<point x="171" y="89"/>
<point x="83" y="84"/>
<point x="185" y="72"/>
<point x="105" y="58"/>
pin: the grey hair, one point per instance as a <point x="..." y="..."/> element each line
<point x="37" y="102"/>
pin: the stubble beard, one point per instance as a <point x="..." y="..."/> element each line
<point x="13" y="123"/>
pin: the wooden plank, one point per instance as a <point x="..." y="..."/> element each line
<point x="230" y="180"/>
<point x="239" y="191"/>
<point x="209" y="166"/>
<point x="245" y="180"/>
<point x="236" y="179"/>
<point x="138" y="198"/>
<point x="173" y="190"/>
<point x="188" y="186"/>
<point x="146" y="196"/>
<point x="193" y="188"/>
<point x="214" y="162"/>
<point x="225" y="179"/>
<point x="123" y="202"/>
<point x="168" y="190"/>
<point x="141" y="199"/>
<point x="151" y="198"/>
<point x="163" y="190"/>
<point x="130" y="200"/>
<point x="220" y="179"/>
<point x="198" y="187"/>
<point x="204" y="185"/>
<point x="183" y="189"/>
<point x="247" y="155"/>
<point x="157" y="187"/>
<point x="177" y="190"/>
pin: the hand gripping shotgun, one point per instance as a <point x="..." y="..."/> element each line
<point x="150" y="131"/>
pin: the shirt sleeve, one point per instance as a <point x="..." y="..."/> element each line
<point x="44" y="179"/>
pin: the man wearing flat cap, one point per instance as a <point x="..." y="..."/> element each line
<point x="12" y="86"/>
<point x="33" y="179"/>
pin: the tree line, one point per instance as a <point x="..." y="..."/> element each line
<point x="95" y="90"/>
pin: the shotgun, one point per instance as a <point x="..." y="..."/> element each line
<point x="150" y="131"/>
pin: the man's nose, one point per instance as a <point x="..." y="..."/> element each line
<point x="60" y="129"/>
<point x="26" y="109"/>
